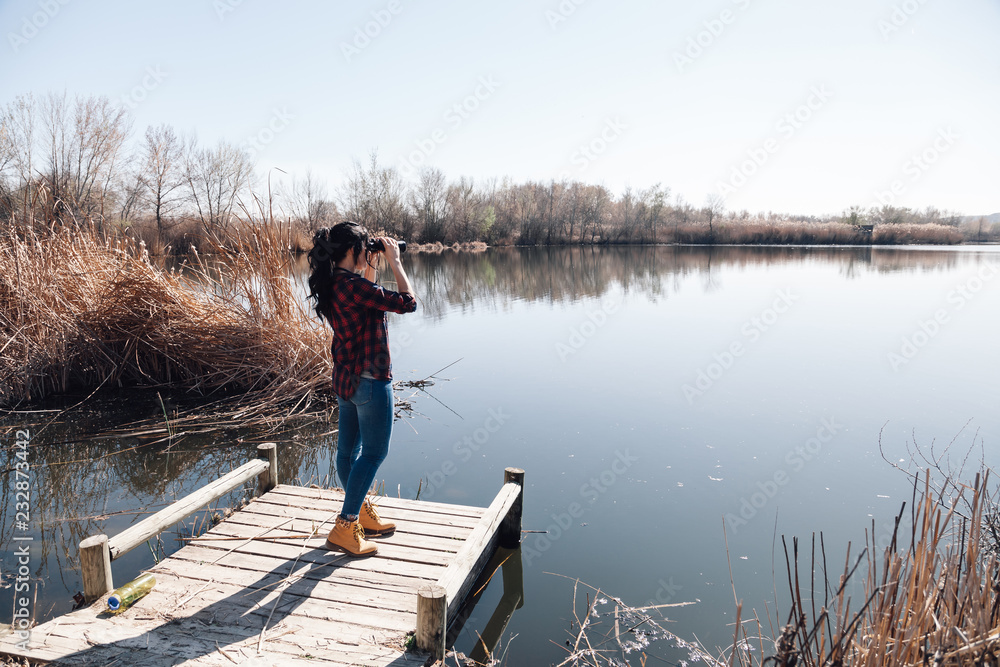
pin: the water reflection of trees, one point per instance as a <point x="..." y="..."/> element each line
<point x="83" y="484"/>
<point x="500" y="276"/>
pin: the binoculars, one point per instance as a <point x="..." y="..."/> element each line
<point x="376" y="245"/>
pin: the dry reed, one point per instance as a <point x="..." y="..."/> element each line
<point x="786" y="232"/>
<point x="931" y="597"/>
<point x="79" y="312"/>
<point x="933" y="601"/>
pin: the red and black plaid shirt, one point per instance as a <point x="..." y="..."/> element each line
<point x="360" y="340"/>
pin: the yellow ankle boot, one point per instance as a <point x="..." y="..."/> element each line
<point x="350" y="536"/>
<point x="372" y="522"/>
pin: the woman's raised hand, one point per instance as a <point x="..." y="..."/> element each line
<point x="391" y="249"/>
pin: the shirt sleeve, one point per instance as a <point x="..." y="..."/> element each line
<point x="369" y="295"/>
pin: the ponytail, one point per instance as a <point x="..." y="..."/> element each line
<point x="330" y="245"/>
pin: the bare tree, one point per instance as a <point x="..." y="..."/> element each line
<point x="854" y="216"/>
<point x="374" y="197"/>
<point x="627" y="213"/>
<point x="85" y="145"/>
<point x="715" y="206"/>
<point x="162" y="175"/>
<point x="356" y="196"/>
<point x="681" y="214"/>
<point x="887" y="215"/>
<point x="654" y="200"/>
<point x="429" y="203"/>
<point x="596" y="199"/>
<point x="310" y="203"/>
<point x="216" y="178"/>
<point x="18" y="121"/>
<point x="130" y="196"/>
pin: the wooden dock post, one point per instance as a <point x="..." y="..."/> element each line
<point x="432" y="619"/>
<point x="95" y="566"/>
<point x="510" y="529"/>
<point x="268" y="479"/>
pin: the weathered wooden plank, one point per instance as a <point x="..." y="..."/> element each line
<point x="401" y="537"/>
<point x="510" y="528"/>
<point x="331" y="570"/>
<point x="464" y="568"/>
<point x="310" y="517"/>
<point x="333" y="507"/>
<point x="319" y="587"/>
<point x="367" y="567"/>
<point x="225" y="603"/>
<point x="386" y="549"/>
<point x="383" y="501"/>
<point x="170" y="643"/>
<point x="129" y="538"/>
<point x="193" y="641"/>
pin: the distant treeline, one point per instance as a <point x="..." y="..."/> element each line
<point x="68" y="160"/>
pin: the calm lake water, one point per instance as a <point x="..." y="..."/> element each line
<point x="662" y="401"/>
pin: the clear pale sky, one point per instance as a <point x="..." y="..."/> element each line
<point x="538" y="82"/>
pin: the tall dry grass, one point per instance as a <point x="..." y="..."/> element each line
<point x="785" y="232"/>
<point x="79" y="312"/>
<point x="903" y="234"/>
<point x="932" y="597"/>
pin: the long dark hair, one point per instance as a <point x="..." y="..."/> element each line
<point x="330" y="245"/>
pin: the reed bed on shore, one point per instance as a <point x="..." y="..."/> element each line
<point x="930" y="597"/>
<point x="79" y="312"/>
<point x="785" y="232"/>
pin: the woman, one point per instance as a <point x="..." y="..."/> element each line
<point x="341" y="284"/>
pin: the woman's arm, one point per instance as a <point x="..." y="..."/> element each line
<point x="392" y="256"/>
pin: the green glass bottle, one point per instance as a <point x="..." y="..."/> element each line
<point x="122" y="598"/>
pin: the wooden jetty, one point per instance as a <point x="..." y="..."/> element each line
<point x="262" y="588"/>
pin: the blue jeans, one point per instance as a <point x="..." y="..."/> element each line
<point x="363" y="441"/>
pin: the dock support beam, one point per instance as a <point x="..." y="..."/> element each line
<point x="268" y="479"/>
<point x="95" y="566"/>
<point x="499" y="525"/>
<point x="510" y="529"/>
<point x="432" y="619"/>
